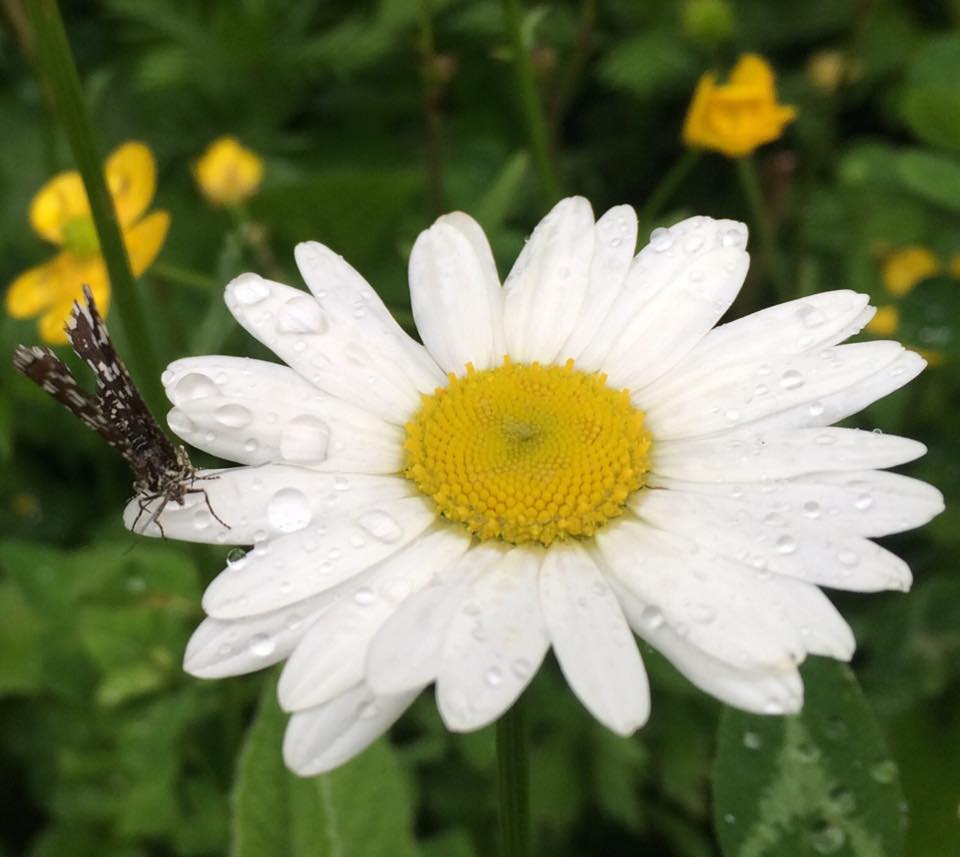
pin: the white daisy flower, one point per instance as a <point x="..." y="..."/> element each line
<point x="571" y="461"/>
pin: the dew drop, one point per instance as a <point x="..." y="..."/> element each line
<point x="651" y="617"/>
<point x="305" y="439"/>
<point x="816" y="409"/>
<point x="692" y="245"/>
<point x="842" y="801"/>
<point x="493" y="676"/>
<point x="863" y="502"/>
<point x="827" y="839"/>
<point x="521" y="668"/>
<point x="847" y="558"/>
<point x="811" y="316"/>
<point x="735" y="236"/>
<point x="367" y="711"/>
<point x="202" y="519"/>
<point x="179" y="422"/>
<point x="381" y="526"/>
<point x="811" y="509"/>
<point x="824" y="440"/>
<point x="194" y="386"/>
<point x="233" y="416"/>
<point x="250" y="445"/>
<point x="791" y="379"/>
<point x="702" y="613"/>
<point x="302" y="314"/>
<point x="752" y="740"/>
<point x="262" y="645"/>
<point x="661" y="239"/>
<point x="786" y="545"/>
<point x="289" y="510"/>
<point x="236" y="559"/>
<point x="341" y="483"/>
<point x="249" y="289"/>
<point x="884" y="772"/>
<point x="364" y="596"/>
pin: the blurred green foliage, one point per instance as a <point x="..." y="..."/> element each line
<point x="106" y="748"/>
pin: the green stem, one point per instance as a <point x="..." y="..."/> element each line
<point x="177" y="276"/>
<point x="57" y="64"/>
<point x="750" y="183"/>
<point x="513" y="779"/>
<point x="667" y="186"/>
<point x="531" y="101"/>
<point x="432" y="96"/>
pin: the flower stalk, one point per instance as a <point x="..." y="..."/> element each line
<point x="750" y="183"/>
<point x="57" y="65"/>
<point x="513" y="780"/>
<point x="532" y="103"/>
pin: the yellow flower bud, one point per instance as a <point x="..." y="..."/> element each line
<point x="227" y="173"/>
<point x="885" y="322"/>
<point x="736" y="117"/>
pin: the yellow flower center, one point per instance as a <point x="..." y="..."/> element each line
<point x="80" y="237"/>
<point x="528" y="453"/>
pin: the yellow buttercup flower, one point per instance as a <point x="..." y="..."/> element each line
<point x="228" y="173"/>
<point x="736" y="117"/>
<point x="60" y="213"/>
<point x="885" y="322"/>
<point x="904" y="268"/>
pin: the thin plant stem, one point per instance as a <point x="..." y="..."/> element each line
<point x="570" y="83"/>
<point x="750" y="183"/>
<point x="513" y="779"/>
<point x="432" y="95"/>
<point x="179" y="276"/>
<point x="667" y="186"/>
<point x="531" y="101"/>
<point x="58" y="67"/>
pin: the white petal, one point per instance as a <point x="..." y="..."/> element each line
<point x="844" y="403"/>
<point x="596" y="651"/>
<point x="741" y="394"/>
<point x="354" y="307"/>
<point x="756" y="456"/>
<point x="868" y="503"/>
<point x="807" y="323"/>
<point x="291" y="568"/>
<point x="773" y="541"/>
<point x="615" y="239"/>
<point x="258" y="503"/>
<point x="494" y="645"/>
<point x="660" y="270"/>
<point x="698" y="287"/>
<point x="456" y="296"/>
<point x="320" y="739"/>
<point x="721" y="607"/>
<point x="544" y="291"/>
<point x="221" y="648"/>
<point x="346" y="360"/>
<point x="331" y="657"/>
<point x="254" y="412"/>
<point x="762" y="691"/>
<point x="406" y="652"/>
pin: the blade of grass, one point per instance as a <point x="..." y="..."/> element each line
<point x="57" y="65"/>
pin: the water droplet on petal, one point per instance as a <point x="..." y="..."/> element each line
<point x="847" y="558"/>
<point x="262" y="645"/>
<point x="521" y="668"/>
<point x="364" y="596"/>
<point x="661" y="239"/>
<point x="735" y="236"/>
<point x="367" y="711"/>
<point x="811" y="316"/>
<point x="249" y="289"/>
<point x="786" y="545"/>
<point x="791" y="379"/>
<point x="302" y="314"/>
<point x="493" y="676"/>
<point x="305" y="439"/>
<point x="289" y="510"/>
<point x="202" y="519"/>
<point x="236" y="559"/>
<point x="381" y="526"/>
<point x="651" y="617"/>
<point x="233" y="416"/>
<point x="816" y="409"/>
<point x="341" y="483"/>
<point x="194" y="386"/>
<point x="179" y="422"/>
<point x="811" y="509"/>
<point x="250" y="445"/>
<point x="863" y="502"/>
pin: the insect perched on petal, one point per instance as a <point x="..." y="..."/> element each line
<point x="117" y="412"/>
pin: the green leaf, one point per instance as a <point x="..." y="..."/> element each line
<point x="820" y="782"/>
<point x="653" y="65"/>
<point x="934" y="115"/>
<point x="930" y="316"/>
<point x="363" y="807"/>
<point x="936" y="178"/>
<point x="21" y="667"/>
